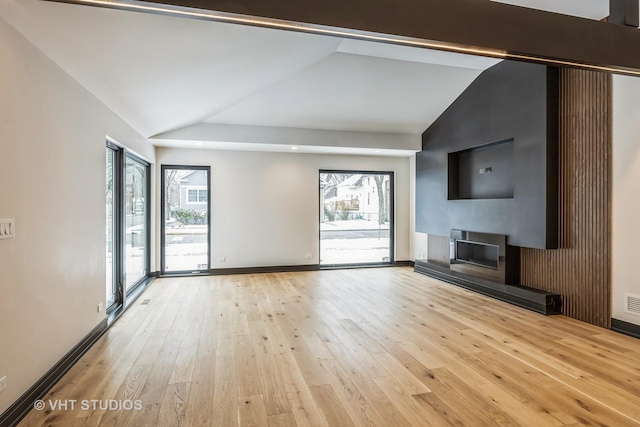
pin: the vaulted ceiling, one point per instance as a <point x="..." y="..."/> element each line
<point x="179" y="80"/>
<point x="589" y="9"/>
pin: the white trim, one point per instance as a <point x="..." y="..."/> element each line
<point x="129" y="150"/>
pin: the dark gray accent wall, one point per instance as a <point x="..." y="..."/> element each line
<point x="511" y="100"/>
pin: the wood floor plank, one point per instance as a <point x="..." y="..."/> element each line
<point x="183" y="369"/>
<point x="441" y="413"/>
<point x="281" y="420"/>
<point x="417" y="369"/>
<point x="279" y="342"/>
<point x="516" y="409"/>
<point x="330" y="405"/>
<point x="361" y="409"/>
<point x="408" y="382"/>
<point x="309" y="366"/>
<point x="226" y="337"/>
<point x="361" y="337"/>
<point x="553" y="367"/>
<point x="595" y="349"/>
<point x="152" y="394"/>
<point x="274" y="393"/>
<point x="172" y="409"/>
<point x="199" y="407"/>
<point x="356" y="347"/>
<point x="225" y="393"/>
<point x="586" y="409"/>
<point x="129" y="391"/>
<point x="524" y="383"/>
<point x="252" y="412"/>
<point x="399" y="396"/>
<point x="304" y="408"/>
<point x="92" y="421"/>
<point x="246" y="367"/>
<point x="385" y="413"/>
<point x="470" y="399"/>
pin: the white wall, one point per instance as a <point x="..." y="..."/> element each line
<point x="626" y="194"/>
<point x="418" y="240"/>
<point x="52" y="181"/>
<point x="265" y="206"/>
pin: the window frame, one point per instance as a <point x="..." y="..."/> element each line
<point x="163" y="215"/>
<point x="392" y="217"/>
<point x="125" y="296"/>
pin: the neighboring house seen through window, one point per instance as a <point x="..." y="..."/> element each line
<point x="196" y="195"/>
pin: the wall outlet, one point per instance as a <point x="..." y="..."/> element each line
<point x="309" y="256"/>
<point x="100" y="308"/>
<point x="7" y="228"/>
<point x="3" y="384"/>
<point x="222" y="259"/>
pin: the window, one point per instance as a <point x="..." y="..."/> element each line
<point x="185" y="235"/>
<point x="351" y="232"/>
<point x="112" y="199"/>
<point x="196" y="195"/>
<point x="136" y="219"/>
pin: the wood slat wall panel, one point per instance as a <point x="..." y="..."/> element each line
<point x="581" y="269"/>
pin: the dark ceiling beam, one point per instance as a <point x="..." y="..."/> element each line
<point x="624" y="12"/>
<point x="514" y="31"/>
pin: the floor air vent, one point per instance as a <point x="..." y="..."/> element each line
<point x="632" y="304"/>
<point x="147" y="301"/>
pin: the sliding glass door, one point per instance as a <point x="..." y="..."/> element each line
<point x="136" y="221"/>
<point x="185" y="235"/>
<point x="127" y="224"/>
<point x="111" y="226"/>
<point x="356" y="218"/>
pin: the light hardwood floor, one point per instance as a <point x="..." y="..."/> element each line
<point x="376" y="347"/>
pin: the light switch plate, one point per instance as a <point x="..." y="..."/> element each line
<point x="7" y="228"/>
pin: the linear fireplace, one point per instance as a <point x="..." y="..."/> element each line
<point x="477" y="253"/>
<point x="485" y="263"/>
<point x="484" y="255"/>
